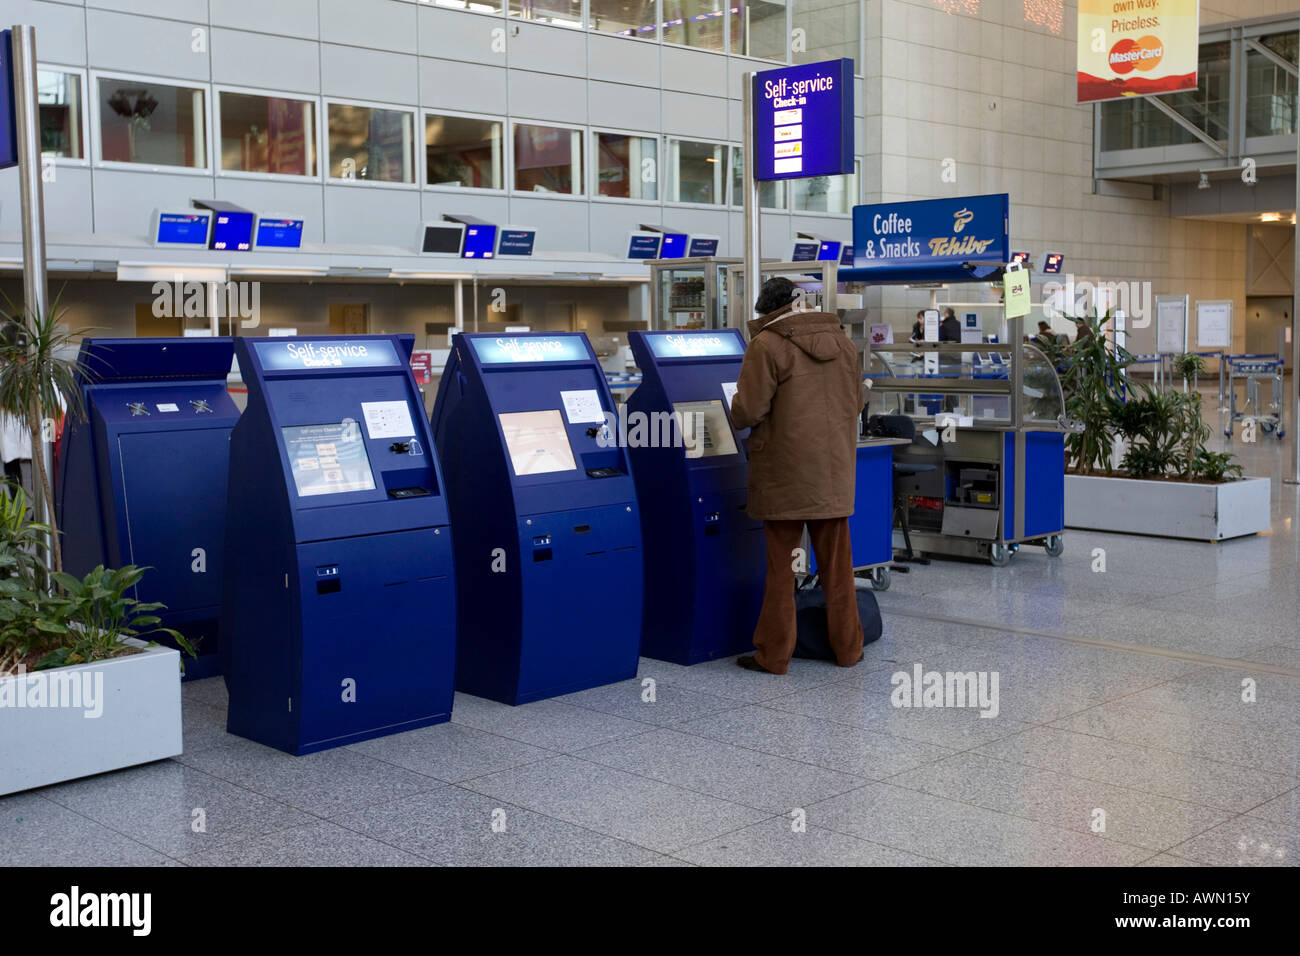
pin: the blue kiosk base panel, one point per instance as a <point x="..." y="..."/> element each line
<point x="354" y="738"/>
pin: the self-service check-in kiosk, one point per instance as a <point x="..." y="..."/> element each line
<point x="705" y="558"/>
<point x="340" y="608"/>
<point x="142" y="480"/>
<point x="548" y="540"/>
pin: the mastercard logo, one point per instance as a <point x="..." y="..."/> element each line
<point x="1143" y="54"/>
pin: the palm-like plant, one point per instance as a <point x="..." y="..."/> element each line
<point x="38" y="384"/>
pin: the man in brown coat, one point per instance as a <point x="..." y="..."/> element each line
<point x="800" y="391"/>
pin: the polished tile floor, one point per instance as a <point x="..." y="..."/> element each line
<point x="1147" y="715"/>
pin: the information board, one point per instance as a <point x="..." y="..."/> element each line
<point x="803" y="121"/>
<point x="1214" y="325"/>
<point x="1171" y="324"/>
<point x="328" y="459"/>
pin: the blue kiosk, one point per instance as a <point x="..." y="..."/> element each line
<point x="339" y="611"/>
<point x="143" y="479"/>
<point x="544" y="509"/>
<point x="705" y="558"/>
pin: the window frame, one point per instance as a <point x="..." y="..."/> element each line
<point x="86" y="144"/>
<point x="855" y="199"/>
<point x="318" y="176"/>
<point x="507" y="160"/>
<point x="585" y="173"/>
<point x="97" y="144"/>
<point x="417" y="160"/>
<point x="595" y="196"/>
<point x="655" y="37"/>
<point x="726" y="180"/>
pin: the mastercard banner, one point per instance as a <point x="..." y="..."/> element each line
<point x="1136" y="47"/>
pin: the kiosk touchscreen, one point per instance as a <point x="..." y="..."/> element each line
<point x="703" y="554"/>
<point x="339" y="609"/>
<point x="143" y="479"/>
<point x="548" y="542"/>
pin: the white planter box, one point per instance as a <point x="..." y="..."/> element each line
<point x="89" y="718"/>
<point x="1171" y="509"/>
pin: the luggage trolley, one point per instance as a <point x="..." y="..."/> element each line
<point x="1253" y="369"/>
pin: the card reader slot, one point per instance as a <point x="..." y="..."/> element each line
<point x="582" y="529"/>
<point x="432" y="577"/>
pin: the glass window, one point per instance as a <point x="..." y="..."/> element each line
<point x="60" y="103"/>
<point x="548" y="159"/>
<point x="825" y="30"/>
<point x="268" y="134"/>
<point x="626" y="166"/>
<point x="366" y="142"/>
<point x="771" y="194"/>
<point x="633" y="18"/>
<point x="562" y="13"/>
<point x="463" y="152"/>
<point x="697" y="23"/>
<point x="1132" y="123"/>
<point x="478" y="6"/>
<point x="825" y="193"/>
<point x="758" y="28"/>
<point x="1271" y="90"/>
<point x="142" y="121"/>
<point x="697" y="172"/>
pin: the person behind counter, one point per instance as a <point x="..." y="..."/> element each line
<point x="949" y="328"/>
<point x="800" y="391"/>
<point x="918" y="327"/>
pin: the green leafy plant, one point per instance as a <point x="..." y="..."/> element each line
<point x="99" y="614"/>
<point x="20" y="539"/>
<point x="37" y="382"/>
<point x="1187" y="367"/>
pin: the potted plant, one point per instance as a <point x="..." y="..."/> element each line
<point x="81" y="690"/>
<point x="1139" y="462"/>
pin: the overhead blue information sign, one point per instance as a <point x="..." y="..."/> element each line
<point x="930" y="238"/>
<point x="670" y="345"/>
<point x="183" y="228"/>
<point x="516" y="242"/>
<point x="803" y="121"/>
<point x="8" y="122"/>
<point x="278" y="355"/>
<point x="530" y="348"/>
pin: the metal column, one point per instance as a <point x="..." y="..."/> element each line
<point x="753" y="225"/>
<point x="35" y="291"/>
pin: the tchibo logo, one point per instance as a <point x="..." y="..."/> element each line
<point x="1129" y="55"/>
<point x="73" y="909"/>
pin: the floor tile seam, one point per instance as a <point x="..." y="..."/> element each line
<point x="1003" y="813"/>
<point x="1208" y="660"/>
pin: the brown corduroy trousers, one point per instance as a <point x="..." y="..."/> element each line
<point x="774" y="637"/>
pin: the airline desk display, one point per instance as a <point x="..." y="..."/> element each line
<point x="544" y="510"/>
<point x="704" y="556"/>
<point x="339" y="610"/>
<point x="143" y="479"/>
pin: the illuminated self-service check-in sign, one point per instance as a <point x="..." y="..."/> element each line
<point x="532" y="348"/>
<point x="803" y="121"/>
<point x="279" y="356"/>
<point x="670" y="345"/>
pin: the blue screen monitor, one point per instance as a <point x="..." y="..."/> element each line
<point x="846" y="255"/>
<point x="515" y="241"/>
<point x="1020" y="257"/>
<point x="829" y="251"/>
<point x="643" y="245"/>
<point x="805" y="251"/>
<point x="480" y="242"/>
<point x="279" y="233"/>
<point x="703" y="246"/>
<point x="182" y="229"/>
<point x="1052" y="264"/>
<point x="232" y="232"/>
<point x="674" y="246"/>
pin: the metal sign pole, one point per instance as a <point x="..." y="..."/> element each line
<point x="753" y="245"/>
<point x="1295" y="341"/>
<point x="35" y="292"/>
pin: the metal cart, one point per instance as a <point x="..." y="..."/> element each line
<point x="1253" y="369"/>
<point x="990" y="422"/>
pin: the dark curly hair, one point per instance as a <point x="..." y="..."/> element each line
<point x="776" y="293"/>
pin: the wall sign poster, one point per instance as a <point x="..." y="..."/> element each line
<point x="1136" y="47"/>
<point x="1171" y="324"/>
<point x="1214" y="325"/>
